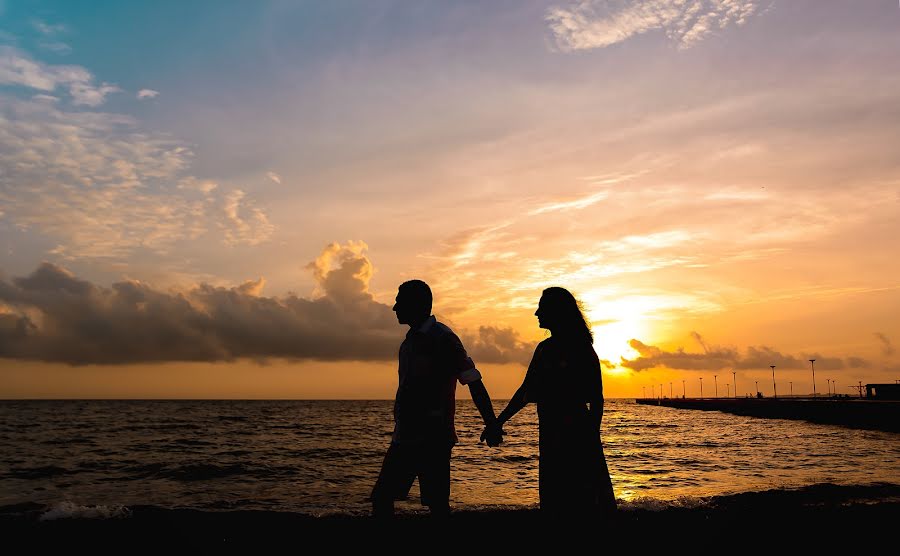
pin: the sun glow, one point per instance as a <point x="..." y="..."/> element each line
<point x="614" y="323"/>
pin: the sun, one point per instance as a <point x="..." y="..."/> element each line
<point x="614" y="324"/>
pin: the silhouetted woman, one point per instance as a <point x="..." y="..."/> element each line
<point x="564" y="380"/>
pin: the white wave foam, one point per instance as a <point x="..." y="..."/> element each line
<point x="657" y="505"/>
<point x="68" y="510"/>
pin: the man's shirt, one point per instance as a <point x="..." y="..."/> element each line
<point x="432" y="360"/>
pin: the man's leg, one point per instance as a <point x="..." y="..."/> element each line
<point x="434" y="478"/>
<point x="394" y="481"/>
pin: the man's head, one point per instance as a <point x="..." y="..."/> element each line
<point x="413" y="304"/>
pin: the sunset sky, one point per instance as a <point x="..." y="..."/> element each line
<point x="219" y="199"/>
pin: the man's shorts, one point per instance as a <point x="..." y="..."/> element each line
<point x="430" y="462"/>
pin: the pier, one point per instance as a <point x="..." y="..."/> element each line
<point x="860" y="413"/>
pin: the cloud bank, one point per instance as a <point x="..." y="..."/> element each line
<point x="100" y="187"/>
<point x="719" y="358"/>
<point x="53" y="316"/>
<point x="598" y="24"/>
<point x="16" y="68"/>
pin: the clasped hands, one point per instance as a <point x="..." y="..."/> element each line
<point x="493" y="435"/>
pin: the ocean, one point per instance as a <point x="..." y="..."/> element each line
<point x="101" y="457"/>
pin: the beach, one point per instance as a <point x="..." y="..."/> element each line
<point x="811" y="516"/>
<point x="205" y="473"/>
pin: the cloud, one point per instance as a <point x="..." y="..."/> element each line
<point x="718" y="357"/>
<point x="497" y="345"/>
<point x="244" y="224"/>
<point x="52" y="315"/>
<point x="887" y="348"/>
<point x="147" y="93"/>
<point x="598" y="24"/>
<point x="90" y="95"/>
<point x="274" y="177"/>
<point x="16" y="68"/>
<point x="581" y="203"/>
<point x="48" y="29"/>
<point x="56" y="46"/>
<point x="100" y="187"/>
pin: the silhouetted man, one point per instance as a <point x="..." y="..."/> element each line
<point x="432" y="360"/>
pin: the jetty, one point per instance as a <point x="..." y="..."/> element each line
<point x="860" y="413"/>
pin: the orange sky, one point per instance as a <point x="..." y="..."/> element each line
<point x="721" y="191"/>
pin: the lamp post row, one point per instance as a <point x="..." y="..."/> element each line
<point x="812" y="363"/>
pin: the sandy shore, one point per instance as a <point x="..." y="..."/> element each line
<point x="825" y="518"/>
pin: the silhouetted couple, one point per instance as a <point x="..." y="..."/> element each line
<point x="563" y="379"/>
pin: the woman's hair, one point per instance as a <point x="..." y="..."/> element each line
<point x="568" y="312"/>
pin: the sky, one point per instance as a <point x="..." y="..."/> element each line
<point x="219" y="199"/>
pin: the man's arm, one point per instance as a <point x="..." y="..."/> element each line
<point x="483" y="402"/>
<point x="493" y="434"/>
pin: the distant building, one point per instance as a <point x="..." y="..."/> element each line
<point x="883" y="391"/>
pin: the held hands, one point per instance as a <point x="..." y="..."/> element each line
<point x="493" y="435"/>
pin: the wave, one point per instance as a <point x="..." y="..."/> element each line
<point x="822" y="496"/>
<point x="34" y="473"/>
<point x="70" y="510"/>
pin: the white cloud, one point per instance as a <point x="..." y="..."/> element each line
<point x="274" y="177"/>
<point x="244" y="223"/>
<point x="56" y="46"/>
<point x="87" y="94"/>
<point x="100" y="187"/>
<point x="16" y="68"/>
<point x="581" y="203"/>
<point x="48" y="29"/>
<point x="594" y="24"/>
<point x="206" y="186"/>
<point x="147" y="93"/>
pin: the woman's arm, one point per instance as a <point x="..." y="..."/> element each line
<point x="595" y="390"/>
<point x="520" y="399"/>
<point x="516" y="403"/>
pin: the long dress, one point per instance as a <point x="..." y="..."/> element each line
<point x="562" y="379"/>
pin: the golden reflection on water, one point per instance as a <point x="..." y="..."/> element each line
<point x="324" y="456"/>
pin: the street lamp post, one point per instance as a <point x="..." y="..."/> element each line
<point x="727" y="390"/>
<point x="701" y="387"/>
<point x="734" y="376"/>
<point x="671" y="395"/>
<point x="716" y="385"/>
<point x="792" y="388"/>
<point x="812" y="363"/>
<point x="774" y="390"/>
<point x="683" y="390"/>
<point x="757" y="387"/>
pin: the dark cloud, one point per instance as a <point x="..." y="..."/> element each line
<point x="887" y="348"/>
<point x="51" y="315"/>
<point x="497" y="345"/>
<point x="652" y="356"/>
<point x="858" y="363"/>
<point x="719" y="357"/>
